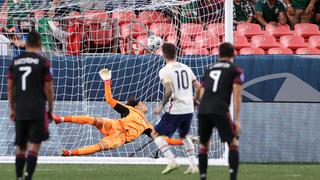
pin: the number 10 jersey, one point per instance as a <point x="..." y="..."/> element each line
<point x="181" y="77"/>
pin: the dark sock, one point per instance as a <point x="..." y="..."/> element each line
<point x="20" y="161"/>
<point x="233" y="162"/>
<point x="203" y="163"/>
<point x="31" y="164"/>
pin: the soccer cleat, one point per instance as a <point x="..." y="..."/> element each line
<point x="57" y="119"/>
<point x="192" y="170"/>
<point x="194" y="139"/>
<point x="65" y="152"/>
<point x="170" y="167"/>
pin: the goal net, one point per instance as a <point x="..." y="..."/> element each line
<point x="82" y="37"/>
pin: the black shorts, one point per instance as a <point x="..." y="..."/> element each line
<point x="223" y="123"/>
<point x="33" y="131"/>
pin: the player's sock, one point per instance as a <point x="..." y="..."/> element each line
<point x="190" y="150"/>
<point x="173" y="141"/>
<point x="79" y="119"/>
<point x="20" y="161"/>
<point x="31" y="164"/>
<point x="203" y="162"/>
<point x="233" y="162"/>
<point x="164" y="148"/>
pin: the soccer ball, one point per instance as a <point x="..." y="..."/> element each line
<point x="154" y="42"/>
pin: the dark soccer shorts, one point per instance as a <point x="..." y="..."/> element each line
<point x="33" y="131"/>
<point x="223" y="123"/>
<point x="169" y="123"/>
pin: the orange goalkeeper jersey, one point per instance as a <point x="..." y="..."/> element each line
<point x="135" y="124"/>
<point x="132" y="121"/>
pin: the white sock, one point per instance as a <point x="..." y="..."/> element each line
<point x="190" y="150"/>
<point x="164" y="148"/>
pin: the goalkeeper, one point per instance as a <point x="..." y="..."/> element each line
<point x="117" y="132"/>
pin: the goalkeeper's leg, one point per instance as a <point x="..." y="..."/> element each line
<point x="95" y="121"/>
<point x="107" y="143"/>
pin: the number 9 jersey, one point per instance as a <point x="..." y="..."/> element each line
<point x="218" y="83"/>
<point x="181" y="77"/>
<point x="29" y="72"/>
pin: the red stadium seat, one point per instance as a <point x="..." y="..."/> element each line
<point x="137" y="30"/>
<point x="216" y="29"/>
<point x="251" y="50"/>
<point x="292" y="41"/>
<point x="278" y="31"/>
<point x="207" y="41"/>
<point x="193" y="51"/>
<point x="191" y="29"/>
<point x="307" y="51"/>
<point x="280" y="50"/>
<point x="306" y="29"/>
<point x="240" y="41"/>
<point x="263" y="41"/>
<point x="249" y="29"/>
<point x="124" y="16"/>
<point x="141" y="43"/>
<point x="149" y="17"/>
<point x="172" y="39"/>
<point x="162" y="29"/>
<point x="186" y="42"/>
<point x="314" y="41"/>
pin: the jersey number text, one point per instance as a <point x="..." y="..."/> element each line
<point x="215" y="75"/>
<point x="27" y="70"/>
<point x="182" y="79"/>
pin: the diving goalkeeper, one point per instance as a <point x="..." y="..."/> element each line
<point x="117" y="132"/>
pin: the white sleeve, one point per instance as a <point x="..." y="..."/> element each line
<point x="164" y="76"/>
<point x="193" y="76"/>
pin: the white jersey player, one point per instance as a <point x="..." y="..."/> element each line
<point x="178" y="80"/>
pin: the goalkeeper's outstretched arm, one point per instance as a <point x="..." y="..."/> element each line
<point x="105" y="74"/>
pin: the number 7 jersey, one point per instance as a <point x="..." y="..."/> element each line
<point x="181" y="77"/>
<point x="29" y="72"/>
<point x="218" y="83"/>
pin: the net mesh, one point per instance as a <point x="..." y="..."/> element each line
<point x="82" y="37"/>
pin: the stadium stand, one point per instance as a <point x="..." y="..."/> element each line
<point x="251" y="51"/>
<point x="308" y="50"/>
<point x="279" y="50"/>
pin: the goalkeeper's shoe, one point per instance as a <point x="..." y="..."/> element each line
<point x="192" y="170"/>
<point x="65" y="152"/>
<point x="170" y="167"/>
<point x="57" y="119"/>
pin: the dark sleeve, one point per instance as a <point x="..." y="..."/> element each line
<point x="281" y="7"/>
<point x="124" y="111"/>
<point x="47" y="70"/>
<point x="10" y="71"/>
<point x="238" y="76"/>
<point x="203" y="78"/>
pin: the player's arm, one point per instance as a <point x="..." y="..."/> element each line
<point x="196" y="84"/>
<point x="167" y="94"/>
<point x="237" y="97"/>
<point x="10" y="98"/>
<point x="105" y="75"/>
<point x="10" y="88"/>
<point x="48" y="87"/>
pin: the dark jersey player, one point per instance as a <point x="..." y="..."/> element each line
<point x="220" y="81"/>
<point x="29" y="87"/>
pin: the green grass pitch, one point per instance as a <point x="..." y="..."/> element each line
<point x="152" y="172"/>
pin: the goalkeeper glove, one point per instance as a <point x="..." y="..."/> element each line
<point x="105" y="74"/>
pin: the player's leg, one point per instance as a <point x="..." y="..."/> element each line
<point x="95" y="121"/>
<point x="38" y="132"/>
<point x="205" y="130"/>
<point x="165" y="127"/>
<point x="227" y="133"/>
<point x="107" y="143"/>
<point x="184" y="129"/>
<point x="21" y="144"/>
